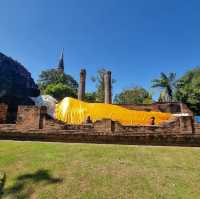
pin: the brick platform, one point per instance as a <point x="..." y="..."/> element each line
<point x="34" y="124"/>
<point x="83" y="137"/>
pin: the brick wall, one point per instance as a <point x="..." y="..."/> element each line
<point x="173" y="107"/>
<point x="197" y="127"/>
<point x="177" y="125"/>
<point x="187" y="124"/>
<point x="31" y="117"/>
<point x="3" y="113"/>
<point x="78" y="137"/>
<point x="106" y="125"/>
<point x="185" y="109"/>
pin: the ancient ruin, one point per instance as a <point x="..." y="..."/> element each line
<point x="16" y="86"/>
<point x="81" y="90"/>
<point x="32" y="122"/>
<point x="108" y="87"/>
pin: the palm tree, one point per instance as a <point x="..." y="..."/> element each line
<point x="167" y="84"/>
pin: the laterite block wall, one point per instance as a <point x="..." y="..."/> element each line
<point x="31" y="117"/>
<point x="3" y="113"/>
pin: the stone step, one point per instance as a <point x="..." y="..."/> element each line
<point x="7" y="126"/>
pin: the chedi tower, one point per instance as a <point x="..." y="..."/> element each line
<point x="16" y="85"/>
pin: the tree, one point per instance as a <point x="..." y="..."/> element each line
<point x="90" y="97"/>
<point x="135" y="95"/>
<point x="167" y="83"/>
<point x="188" y="89"/>
<point x="52" y="82"/>
<point x="59" y="91"/>
<point x="162" y="96"/>
<point x="99" y="80"/>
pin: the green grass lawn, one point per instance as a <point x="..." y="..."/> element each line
<point x="57" y="170"/>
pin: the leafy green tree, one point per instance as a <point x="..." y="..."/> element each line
<point x="99" y="80"/>
<point x="52" y="81"/>
<point x="135" y="95"/>
<point x="90" y="97"/>
<point x="188" y="89"/>
<point x="167" y="83"/>
<point x="162" y="96"/>
<point x="59" y="91"/>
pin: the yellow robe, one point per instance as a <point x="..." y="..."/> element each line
<point x="73" y="111"/>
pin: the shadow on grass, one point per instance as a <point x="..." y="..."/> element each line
<point x="22" y="191"/>
<point x="2" y="183"/>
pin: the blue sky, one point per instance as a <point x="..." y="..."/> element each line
<point x="136" y="39"/>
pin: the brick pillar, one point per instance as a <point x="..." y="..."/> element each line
<point x="104" y="125"/>
<point x="108" y="88"/>
<point x="3" y="113"/>
<point x="31" y="117"/>
<point x="81" y="90"/>
<point x="186" y="124"/>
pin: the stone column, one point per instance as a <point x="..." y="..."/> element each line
<point x="81" y="90"/>
<point x="108" y="88"/>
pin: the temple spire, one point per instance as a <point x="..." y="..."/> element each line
<point x="61" y="66"/>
